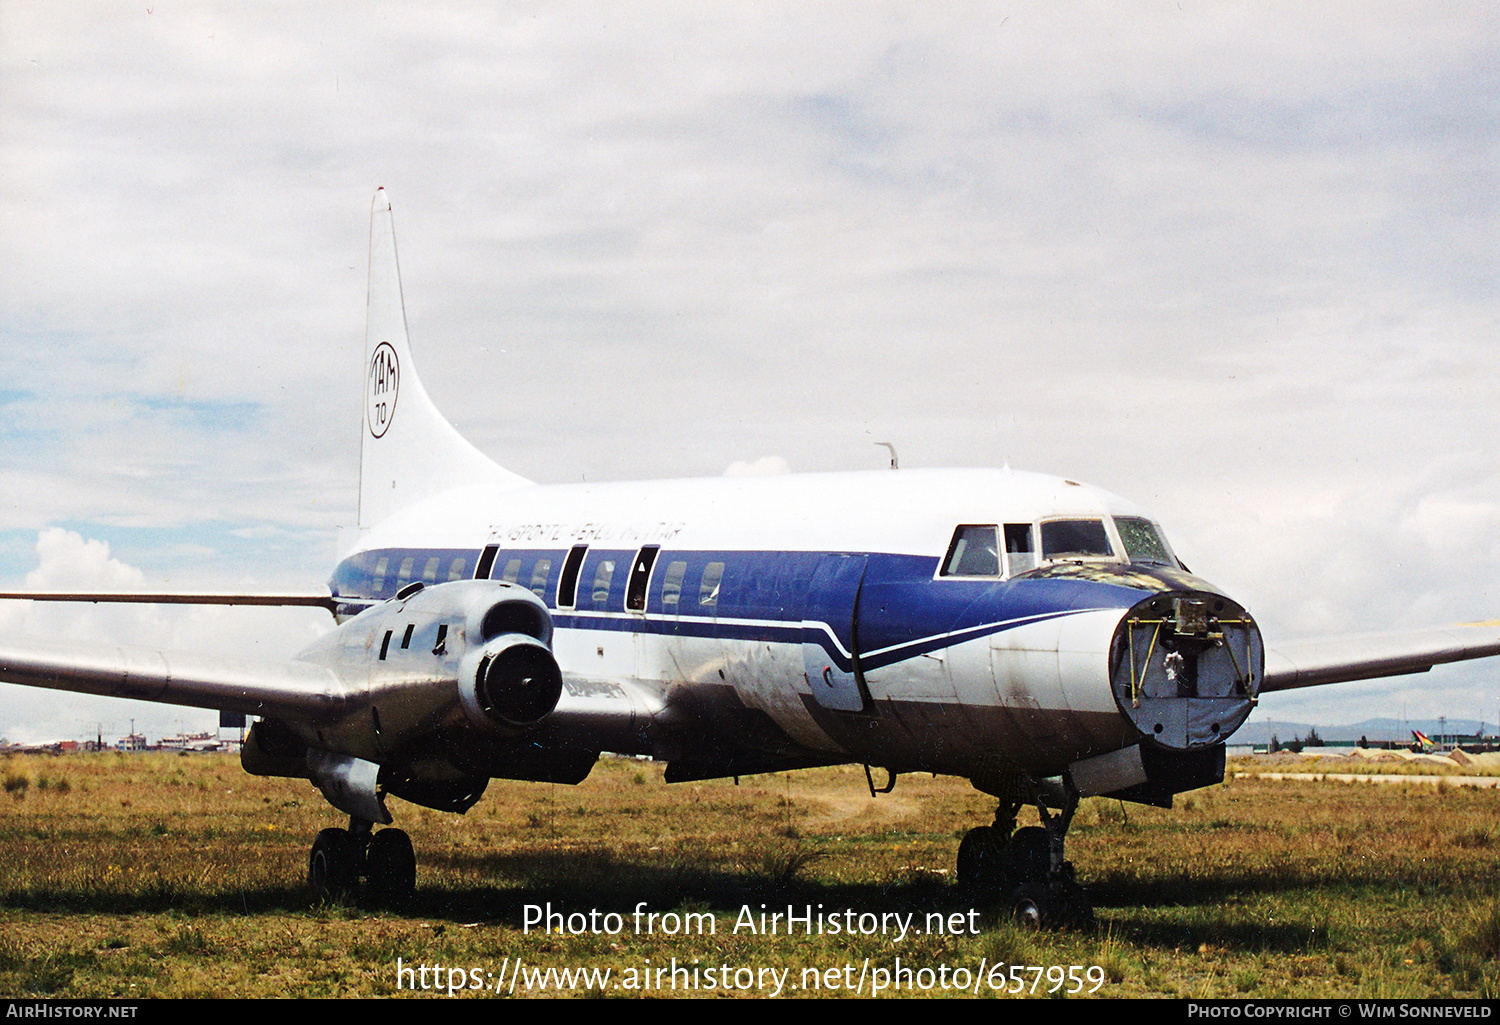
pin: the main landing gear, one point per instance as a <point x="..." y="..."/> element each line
<point x="1025" y="868"/>
<point x="342" y="859"/>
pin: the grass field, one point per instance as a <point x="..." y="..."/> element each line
<point x="161" y="875"/>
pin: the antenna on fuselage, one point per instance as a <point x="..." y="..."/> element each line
<point x="888" y="445"/>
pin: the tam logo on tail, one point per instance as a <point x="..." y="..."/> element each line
<point x="381" y="387"/>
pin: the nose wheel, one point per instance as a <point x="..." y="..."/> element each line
<point x="357" y="861"/>
<point x="1025" y="868"/>
<point x="1039" y="906"/>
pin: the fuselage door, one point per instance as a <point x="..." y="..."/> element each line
<point x="830" y="633"/>
<point x="640" y="578"/>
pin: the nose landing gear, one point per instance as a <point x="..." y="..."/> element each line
<point x="1025" y="868"/>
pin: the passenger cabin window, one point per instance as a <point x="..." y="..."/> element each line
<point x="512" y="571"/>
<point x="1143" y="541"/>
<point x="456" y="571"/>
<point x="671" y="585"/>
<point x="708" y="591"/>
<point x="602" y="575"/>
<point x="973" y="552"/>
<point x="539" y="578"/>
<point x="429" y="574"/>
<point x="1075" y="539"/>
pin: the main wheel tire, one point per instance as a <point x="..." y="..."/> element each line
<point x="391" y="867"/>
<point x="333" y="866"/>
<point x="1028" y="857"/>
<point x="980" y="854"/>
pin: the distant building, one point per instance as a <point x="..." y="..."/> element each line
<point x="191" y="742"/>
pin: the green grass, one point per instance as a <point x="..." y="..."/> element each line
<point x="159" y="875"/>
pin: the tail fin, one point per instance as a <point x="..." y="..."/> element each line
<point x="408" y="451"/>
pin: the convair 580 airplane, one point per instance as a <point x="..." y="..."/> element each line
<point x="1031" y="634"/>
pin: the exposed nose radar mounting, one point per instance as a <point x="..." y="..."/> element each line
<point x="1186" y="668"/>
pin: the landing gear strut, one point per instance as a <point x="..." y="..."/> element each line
<point x="1026" y="868"/>
<point x="342" y="858"/>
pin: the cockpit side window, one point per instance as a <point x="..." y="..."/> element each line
<point x="1019" y="553"/>
<point x="1143" y="541"/>
<point x="973" y="552"/>
<point x="1075" y="539"/>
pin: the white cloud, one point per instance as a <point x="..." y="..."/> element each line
<point x="765" y="466"/>
<point x="66" y="561"/>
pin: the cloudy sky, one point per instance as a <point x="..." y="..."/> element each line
<point x="1237" y="262"/>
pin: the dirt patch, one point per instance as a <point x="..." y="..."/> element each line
<point x="843" y="805"/>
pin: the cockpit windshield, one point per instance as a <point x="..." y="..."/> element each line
<point x="976" y="549"/>
<point x="1143" y="542"/>
<point x="1075" y="539"/>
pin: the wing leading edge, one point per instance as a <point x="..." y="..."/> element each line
<point x="293" y="689"/>
<point x="1319" y="661"/>
<point x="305" y="600"/>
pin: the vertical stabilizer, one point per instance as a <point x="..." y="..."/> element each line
<point x="408" y="452"/>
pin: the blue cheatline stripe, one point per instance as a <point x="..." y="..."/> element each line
<point x="760" y="597"/>
<point x="783" y="633"/>
<point x="755" y="584"/>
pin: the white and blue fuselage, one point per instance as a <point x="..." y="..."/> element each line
<point x="753" y="624"/>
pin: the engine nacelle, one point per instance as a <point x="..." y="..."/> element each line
<point x="456" y="656"/>
<point x="512" y="682"/>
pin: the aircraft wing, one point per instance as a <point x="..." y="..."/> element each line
<point x="291" y="689"/>
<point x="305" y="599"/>
<point x="1319" y="661"/>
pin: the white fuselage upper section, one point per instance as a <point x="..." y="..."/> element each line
<point x="898" y="511"/>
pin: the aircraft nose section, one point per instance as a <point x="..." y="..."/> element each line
<point x="1185" y="668"/>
